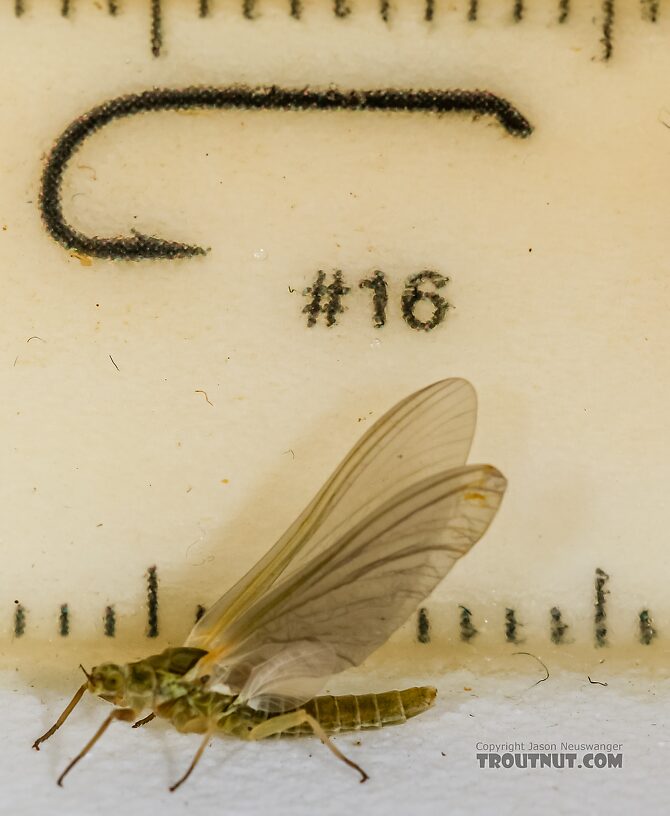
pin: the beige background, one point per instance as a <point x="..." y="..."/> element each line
<point x="106" y="471"/>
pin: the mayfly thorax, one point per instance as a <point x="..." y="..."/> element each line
<point x="375" y="541"/>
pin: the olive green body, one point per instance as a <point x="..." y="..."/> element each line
<point x="162" y="684"/>
<point x="201" y="711"/>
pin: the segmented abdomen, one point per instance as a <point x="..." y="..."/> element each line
<point x="351" y="712"/>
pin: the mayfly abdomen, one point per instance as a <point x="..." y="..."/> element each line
<point x="352" y="712"/>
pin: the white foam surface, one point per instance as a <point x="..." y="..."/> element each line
<point x="427" y="766"/>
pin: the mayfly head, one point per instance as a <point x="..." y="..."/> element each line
<point x="109" y="682"/>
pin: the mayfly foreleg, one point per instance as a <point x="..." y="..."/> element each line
<point x="205" y="740"/>
<point x="294" y="719"/>
<point x="125" y="714"/>
<point x="145" y="720"/>
<point x="68" y="710"/>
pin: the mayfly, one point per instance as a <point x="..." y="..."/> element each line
<point x="374" y="542"/>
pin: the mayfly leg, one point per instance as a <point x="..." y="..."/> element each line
<point x="293" y="719"/>
<point x="125" y="714"/>
<point x="68" y="710"/>
<point x="145" y="720"/>
<point x="208" y="736"/>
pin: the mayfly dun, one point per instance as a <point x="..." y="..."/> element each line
<point x="380" y="535"/>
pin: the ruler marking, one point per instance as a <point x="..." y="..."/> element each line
<point x="429" y="11"/>
<point x="249" y="9"/>
<point x="423" y="626"/>
<point x="156" y="27"/>
<point x="384" y="10"/>
<point x="65" y="8"/>
<point x="600" y="616"/>
<point x="152" y="602"/>
<point x="607" y="39"/>
<point x="19" y="619"/>
<point x="203" y="8"/>
<point x="295" y="9"/>
<point x="112" y="7"/>
<point x="468" y="630"/>
<point x="512" y="627"/>
<point x="518" y="11"/>
<point x="558" y="627"/>
<point x="473" y="11"/>
<point x="19" y="7"/>
<point x="647" y="630"/>
<point x="563" y="10"/>
<point x="64" y="620"/>
<point x="650" y="9"/>
<point x="341" y="9"/>
<point x="110" y="621"/>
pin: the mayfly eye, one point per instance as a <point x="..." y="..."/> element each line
<point x="139" y="676"/>
<point x="204" y="679"/>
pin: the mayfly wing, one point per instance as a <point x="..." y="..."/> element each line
<point x="428" y="432"/>
<point x="348" y="599"/>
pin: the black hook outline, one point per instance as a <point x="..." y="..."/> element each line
<point x="141" y="247"/>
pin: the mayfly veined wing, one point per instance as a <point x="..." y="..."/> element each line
<point x="375" y="541"/>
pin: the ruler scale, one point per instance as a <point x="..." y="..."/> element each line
<point x="394" y="195"/>
<point x="510" y="629"/>
<point x="649" y="11"/>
